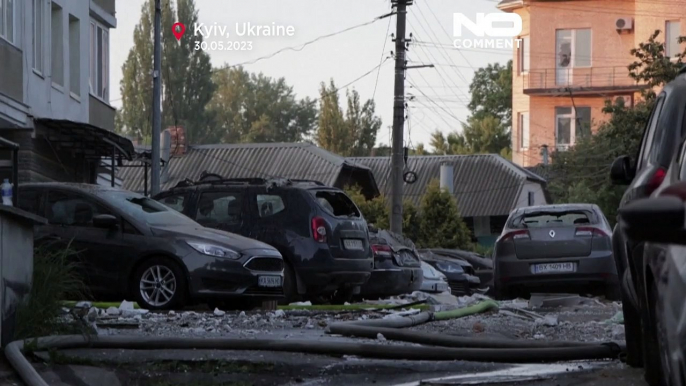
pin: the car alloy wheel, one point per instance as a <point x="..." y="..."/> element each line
<point x="158" y="285"/>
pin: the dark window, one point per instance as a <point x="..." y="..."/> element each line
<point x="30" y="201"/>
<point x="72" y="209"/>
<point x="337" y="203"/>
<point x="583" y="122"/>
<point x="176" y="202"/>
<point x="542" y="219"/>
<point x="531" y="198"/>
<point x="269" y="205"/>
<point x="648" y="139"/>
<point x="215" y="208"/>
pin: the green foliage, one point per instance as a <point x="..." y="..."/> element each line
<point x="186" y="76"/>
<point x="55" y="278"/>
<point x="483" y="135"/>
<point x="491" y="92"/>
<point x="255" y="108"/>
<point x="441" y="225"/>
<point x="375" y="211"/>
<point x="351" y="134"/>
<point x="412" y="221"/>
<point x="652" y="65"/>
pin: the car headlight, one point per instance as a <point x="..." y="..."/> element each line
<point x="450" y="268"/>
<point x="214" y="250"/>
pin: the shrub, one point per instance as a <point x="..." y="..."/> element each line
<point x="375" y="211"/>
<point x="441" y="225"/>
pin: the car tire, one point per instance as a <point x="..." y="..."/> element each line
<point x="633" y="332"/>
<point x="290" y="286"/>
<point x="653" y="358"/>
<point x="171" y="285"/>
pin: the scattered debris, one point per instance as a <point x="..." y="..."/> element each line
<point x="113" y="311"/>
<point x="300" y="304"/>
<point x="126" y="306"/>
<point x="618" y="318"/>
<point x="218" y="312"/>
<point x="478" y="328"/>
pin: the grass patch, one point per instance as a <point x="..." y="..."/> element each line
<point x="55" y="277"/>
<point x="101" y="305"/>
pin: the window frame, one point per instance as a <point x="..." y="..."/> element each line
<point x="3" y="21"/>
<point x="38" y="21"/>
<point x="258" y="209"/>
<point x="524" y="130"/>
<point x="572" y="126"/>
<point x="668" y="37"/>
<point x="95" y="44"/>
<point x="574" y="41"/>
<point x="524" y="56"/>
<point x="239" y="195"/>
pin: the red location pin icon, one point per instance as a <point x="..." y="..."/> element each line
<point x="178" y="29"/>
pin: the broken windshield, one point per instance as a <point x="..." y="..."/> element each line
<point x="540" y="219"/>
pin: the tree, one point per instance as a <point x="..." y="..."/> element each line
<point x="491" y="93"/>
<point x="255" y="108"/>
<point x="352" y="134"/>
<point x="652" y="66"/>
<point x="186" y="75"/>
<point x="441" y="225"/>
<point x="375" y="211"/>
<point x="482" y="136"/>
<point x="412" y="221"/>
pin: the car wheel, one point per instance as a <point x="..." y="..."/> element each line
<point x="159" y="284"/>
<point x="656" y="356"/>
<point x="632" y="328"/>
<point x="290" y="286"/>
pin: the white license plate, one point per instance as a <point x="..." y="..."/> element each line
<point x="554" y="268"/>
<point x="353" y="244"/>
<point x="269" y="281"/>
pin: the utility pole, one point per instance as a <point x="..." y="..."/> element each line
<point x="397" y="154"/>
<point x="156" y="101"/>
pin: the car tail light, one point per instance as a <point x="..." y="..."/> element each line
<point x="319" y="229"/>
<point x="589" y="231"/>
<point x="656" y="181"/>
<point x="516" y="235"/>
<point x="382" y="250"/>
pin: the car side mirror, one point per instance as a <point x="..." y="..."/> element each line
<point x="621" y="172"/>
<point x="106" y="221"/>
<point x="659" y="220"/>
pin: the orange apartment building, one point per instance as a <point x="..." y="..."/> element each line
<point x="572" y="58"/>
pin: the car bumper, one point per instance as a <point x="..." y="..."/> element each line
<point x="212" y="277"/>
<point x="324" y="273"/>
<point x="589" y="270"/>
<point x="434" y="286"/>
<point x="390" y="282"/>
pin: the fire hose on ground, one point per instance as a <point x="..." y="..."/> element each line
<point x="455" y="348"/>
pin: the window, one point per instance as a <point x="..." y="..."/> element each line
<point x="573" y="48"/>
<point x="531" y="198"/>
<point x="647" y="141"/>
<point x="269" y="205"/>
<point x="337" y="203"/>
<point x="71" y="209"/>
<point x="100" y="59"/>
<point x="219" y="208"/>
<point x="38" y="26"/>
<point x="524" y="55"/>
<point x="672" y="35"/>
<point x="570" y="126"/>
<point x="74" y="56"/>
<point x="8" y="14"/>
<point x="177" y="202"/>
<point x="542" y="219"/>
<point x="524" y="130"/>
<point x="57" y="47"/>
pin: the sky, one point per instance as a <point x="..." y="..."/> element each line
<point x="442" y="93"/>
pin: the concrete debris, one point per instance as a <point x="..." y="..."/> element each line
<point x="548" y="320"/>
<point x="618" y="332"/>
<point x="308" y="303"/>
<point x="478" y="328"/>
<point x="93" y="314"/>
<point x="172" y="313"/>
<point x="618" y="318"/>
<point x="539" y="336"/>
<point x="218" y="312"/>
<point x="380" y="337"/>
<point x="83" y="304"/>
<point x="279" y="314"/>
<point x="113" y="311"/>
<point x="126" y="306"/>
<point x="242" y="314"/>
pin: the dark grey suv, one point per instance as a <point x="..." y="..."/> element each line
<point x="132" y="246"/>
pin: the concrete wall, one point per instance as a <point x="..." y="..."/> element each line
<point x="101" y="114"/>
<point x="536" y="189"/>
<point x="610" y="55"/>
<point x="12" y="70"/>
<point x="107" y="5"/>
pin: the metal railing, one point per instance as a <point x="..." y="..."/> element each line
<point x="579" y="78"/>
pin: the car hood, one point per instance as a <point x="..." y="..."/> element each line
<point x="433" y="257"/>
<point x="430" y="272"/>
<point x="200" y="233"/>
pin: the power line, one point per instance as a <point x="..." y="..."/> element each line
<point x="383" y="52"/>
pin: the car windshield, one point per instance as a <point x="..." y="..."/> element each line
<point x="540" y="219"/>
<point x="145" y="209"/>
<point x="336" y="203"/>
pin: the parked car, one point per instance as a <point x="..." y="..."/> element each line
<point x="434" y="281"/>
<point x="460" y="283"/>
<point x="642" y="176"/>
<point x="131" y="246"/>
<point x="483" y="267"/>
<point x="318" y="229"/>
<point x="555" y="247"/>
<point x="397" y="268"/>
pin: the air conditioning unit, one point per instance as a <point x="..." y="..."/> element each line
<point x="628" y="100"/>
<point x="624" y="24"/>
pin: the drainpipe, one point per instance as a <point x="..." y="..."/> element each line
<point x="447" y="177"/>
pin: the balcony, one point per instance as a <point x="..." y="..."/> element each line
<point x="580" y="81"/>
<point x="101" y="114"/>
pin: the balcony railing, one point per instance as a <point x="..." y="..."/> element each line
<point x="590" y="79"/>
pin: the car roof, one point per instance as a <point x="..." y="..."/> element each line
<point x="254" y="182"/>
<point x="82" y="187"/>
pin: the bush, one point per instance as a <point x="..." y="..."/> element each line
<point x="375" y="211"/>
<point x="55" y="279"/>
<point x="441" y="225"/>
<point x="411" y="221"/>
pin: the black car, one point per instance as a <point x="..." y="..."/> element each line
<point x="131" y="246"/>
<point x="397" y="268"/>
<point x="460" y="282"/>
<point x="319" y="231"/>
<point x="483" y="266"/>
<point x="643" y="176"/>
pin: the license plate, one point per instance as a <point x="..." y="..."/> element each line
<point x="353" y="244"/>
<point x="269" y="281"/>
<point x="553" y="268"/>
